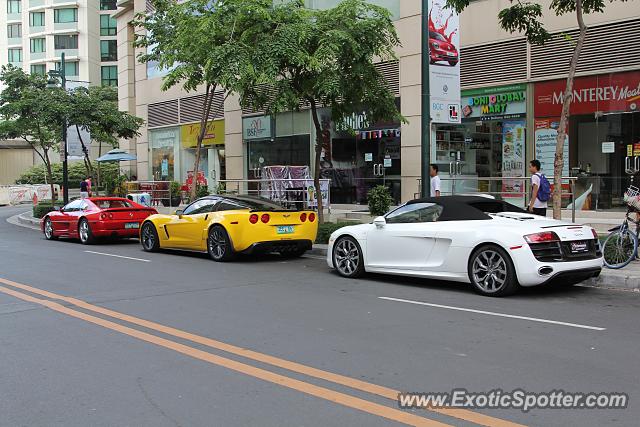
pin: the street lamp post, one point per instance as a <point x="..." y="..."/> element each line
<point x="426" y="105"/>
<point x="65" y="166"/>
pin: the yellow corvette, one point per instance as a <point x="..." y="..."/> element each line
<point x="225" y="226"/>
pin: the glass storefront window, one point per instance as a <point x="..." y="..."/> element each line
<point x="164" y="143"/>
<point x="292" y="150"/>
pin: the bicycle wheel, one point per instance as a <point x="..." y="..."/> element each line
<point x="619" y="248"/>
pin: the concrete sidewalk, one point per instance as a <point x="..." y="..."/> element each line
<point x="627" y="278"/>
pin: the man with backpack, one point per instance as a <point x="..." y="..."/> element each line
<point x="540" y="190"/>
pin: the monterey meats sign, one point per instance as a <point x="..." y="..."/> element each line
<point x="606" y="93"/>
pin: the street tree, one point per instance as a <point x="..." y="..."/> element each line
<point x="527" y="17"/>
<point x="325" y="58"/>
<point x="202" y="44"/>
<point x="95" y="110"/>
<point x="33" y="112"/>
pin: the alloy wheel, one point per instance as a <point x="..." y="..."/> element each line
<point x="148" y="237"/>
<point x="84" y="231"/>
<point x="347" y="257"/>
<point x="489" y="271"/>
<point x="48" y="229"/>
<point x="217" y="244"/>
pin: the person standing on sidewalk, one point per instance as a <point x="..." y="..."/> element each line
<point x="540" y="190"/>
<point x="89" y="178"/>
<point x="435" y="180"/>
<point x="84" y="189"/>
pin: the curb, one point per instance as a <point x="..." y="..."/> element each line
<point x="25" y="220"/>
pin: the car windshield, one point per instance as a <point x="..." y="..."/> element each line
<point x="436" y="36"/>
<point x="258" y="204"/>
<point x="108" y="204"/>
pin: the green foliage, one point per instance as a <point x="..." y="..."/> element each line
<point x="174" y="188"/>
<point x="77" y="173"/>
<point x="325" y="230"/>
<point x="526" y="17"/>
<point x="41" y="209"/>
<point x="379" y="200"/>
<point x="202" y="191"/>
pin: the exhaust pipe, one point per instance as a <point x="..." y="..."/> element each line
<point x="545" y="271"/>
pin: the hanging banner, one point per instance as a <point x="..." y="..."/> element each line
<point x="444" y="59"/>
<point x="74" y="145"/>
<point x="545" y="146"/>
<point x="513" y="138"/>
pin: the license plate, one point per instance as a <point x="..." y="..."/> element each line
<point x="285" y="229"/>
<point x="451" y="54"/>
<point x="130" y="225"/>
<point x="577" y="247"/>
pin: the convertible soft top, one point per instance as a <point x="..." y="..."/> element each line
<point x="461" y="208"/>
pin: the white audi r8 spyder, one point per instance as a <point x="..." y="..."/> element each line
<point x="495" y="246"/>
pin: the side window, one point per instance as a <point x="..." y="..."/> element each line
<point x="415" y="213"/>
<point x="83" y="206"/>
<point x="73" y="206"/>
<point x="227" y="205"/>
<point x="200" y="207"/>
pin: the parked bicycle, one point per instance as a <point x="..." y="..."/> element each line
<point x="621" y="245"/>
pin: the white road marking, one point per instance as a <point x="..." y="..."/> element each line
<point x="491" y="313"/>
<point x="118" y="256"/>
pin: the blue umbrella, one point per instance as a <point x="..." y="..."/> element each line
<point x="116" y="156"/>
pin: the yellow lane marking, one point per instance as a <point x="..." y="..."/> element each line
<point x="386" y="392"/>
<point x="311" y="389"/>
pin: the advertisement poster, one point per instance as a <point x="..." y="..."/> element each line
<point x="74" y="146"/>
<point x="214" y="134"/>
<point x="505" y="102"/>
<point x="513" y="139"/>
<point x="311" y="195"/>
<point x="545" y="146"/>
<point x="444" y="60"/>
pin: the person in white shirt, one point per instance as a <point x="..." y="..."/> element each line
<point x="435" y="180"/>
<point x="536" y="206"/>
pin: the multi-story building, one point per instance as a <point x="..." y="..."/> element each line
<point x="38" y="32"/>
<point x="511" y="92"/>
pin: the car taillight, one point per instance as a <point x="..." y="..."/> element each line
<point x="103" y="216"/>
<point x="253" y="218"/>
<point x="303" y="217"/>
<point x="595" y="233"/>
<point x="265" y="218"/>
<point x="544" y="237"/>
<point x="312" y="217"/>
<point x="110" y="215"/>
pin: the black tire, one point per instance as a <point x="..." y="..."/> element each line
<point x="491" y="272"/>
<point x="149" y="237"/>
<point x="347" y="257"/>
<point x="295" y="253"/>
<point x="219" y="244"/>
<point x="48" y="230"/>
<point x="84" y="232"/>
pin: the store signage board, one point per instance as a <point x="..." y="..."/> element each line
<point x="606" y="93"/>
<point x="608" y="147"/>
<point x="214" y="134"/>
<point x="495" y="103"/>
<point x="444" y="69"/>
<point x="258" y="127"/>
<point x="387" y="162"/>
<point x="368" y="157"/>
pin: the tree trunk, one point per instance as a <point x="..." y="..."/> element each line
<point x="206" y="109"/>
<point x="47" y="164"/>
<point x="564" y="116"/>
<point x="316" y="172"/>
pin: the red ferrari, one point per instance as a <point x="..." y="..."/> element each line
<point x="441" y="50"/>
<point x="88" y="219"/>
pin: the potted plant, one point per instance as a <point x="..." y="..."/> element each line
<point x="175" y="191"/>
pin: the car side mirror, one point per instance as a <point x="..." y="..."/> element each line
<point x="380" y="222"/>
<point x="179" y="212"/>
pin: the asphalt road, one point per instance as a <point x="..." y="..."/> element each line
<point x="174" y="339"/>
